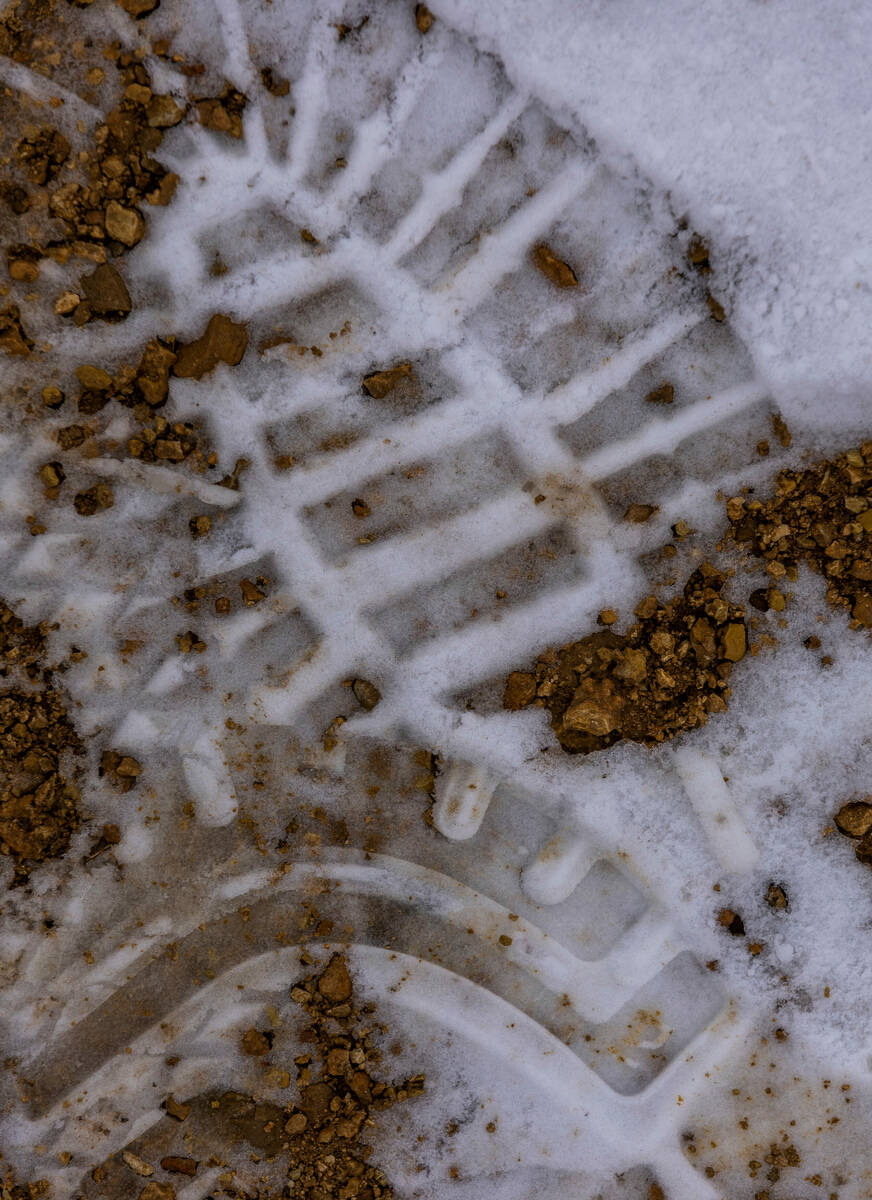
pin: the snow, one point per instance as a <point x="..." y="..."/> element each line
<point x="756" y="118"/>
<point x="595" y="127"/>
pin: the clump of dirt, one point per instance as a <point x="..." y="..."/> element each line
<point x="854" y="820"/>
<point x="381" y="383"/>
<point x="10" y="1190"/>
<point x="223" y="340"/>
<point x="668" y="673"/>
<point x="88" y="202"/>
<point x="821" y="516"/>
<point x="553" y="268"/>
<point x="316" y="1144"/>
<point x="328" y="1156"/>
<point x="38" y="799"/>
<point x="223" y="114"/>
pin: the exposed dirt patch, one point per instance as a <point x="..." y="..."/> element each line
<point x="668" y="673"/>
<point x="38" y="798"/>
<point x="821" y="516"/>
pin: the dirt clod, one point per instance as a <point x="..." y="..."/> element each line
<point x="553" y="268"/>
<point x="223" y="340"/>
<point x="381" y="383"/>
<point x="105" y="293"/>
<point x="668" y="673"/>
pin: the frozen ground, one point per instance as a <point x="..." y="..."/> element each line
<point x="541" y="952"/>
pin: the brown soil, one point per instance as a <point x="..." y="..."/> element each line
<point x="821" y="516"/>
<point x="38" y="799"/>
<point x="668" y="673"/>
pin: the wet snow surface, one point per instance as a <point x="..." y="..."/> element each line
<point x="545" y="944"/>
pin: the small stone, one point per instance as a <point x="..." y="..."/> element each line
<point x="855" y="818"/>
<point x="200" y="526"/>
<point x="638" y="514"/>
<point x="776" y="897"/>
<point x="138" y="8"/>
<point x="716" y="309"/>
<point x="295" y="1124"/>
<point x="423" y="18"/>
<point x="732" y="922"/>
<point x="179" y="1111"/>
<point x="163" y="112"/>
<point x="223" y="341"/>
<point x="137" y="1164"/>
<point x="334" y="983"/>
<point x="361" y="509"/>
<point x="51" y="475"/>
<point x="255" y="1043"/>
<point x="106" y="294"/>
<point x="664" y="394"/>
<point x="52" y="397"/>
<point x="251" y="593"/>
<point x="337" y="1061"/>
<point x="381" y="383"/>
<point x="735" y="642"/>
<point x="93" y="500"/>
<point x="93" y="378"/>
<point x="124" y="224"/>
<point x="223" y="114"/>
<point x="153" y="373"/>
<point x="179" y="1166"/>
<point x="554" y="268"/>
<point x="23" y="263"/>
<point x="366" y="694"/>
<point x="66" y="303"/>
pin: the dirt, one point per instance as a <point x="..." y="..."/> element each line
<point x="669" y="672"/>
<point x="553" y="268"/>
<point x="854" y="820"/>
<point x="316" y="1144"/>
<point x="820" y="516"/>
<point x="223" y="340"/>
<point x="39" y="799"/>
<point x="381" y="383"/>
<point x="338" y="1093"/>
<point x="223" y="114"/>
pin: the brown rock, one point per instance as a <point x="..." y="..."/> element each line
<point x="664" y="394"/>
<point x="179" y="1111"/>
<point x="138" y="8"/>
<point x="179" y="1166"/>
<point x="255" y="1043"/>
<point x="380" y="383"/>
<point x="163" y="112"/>
<point x="106" y="294"/>
<point x="554" y="268"/>
<point x="715" y="308"/>
<point x="124" y="224"/>
<point x="23" y="263"/>
<point x="366" y="694"/>
<point x="735" y="642"/>
<point x="334" y="983"/>
<point x="92" y="377"/>
<point x="594" y="709"/>
<point x="93" y="500"/>
<point x="315" y="1100"/>
<point x="223" y="341"/>
<point x="223" y="114"/>
<point x="423" y="18"/>
<point x="855" y="818"/>
<point x="153" y="373"/>
<point x="638" y="514"/>
<point x="776" y="897"/>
